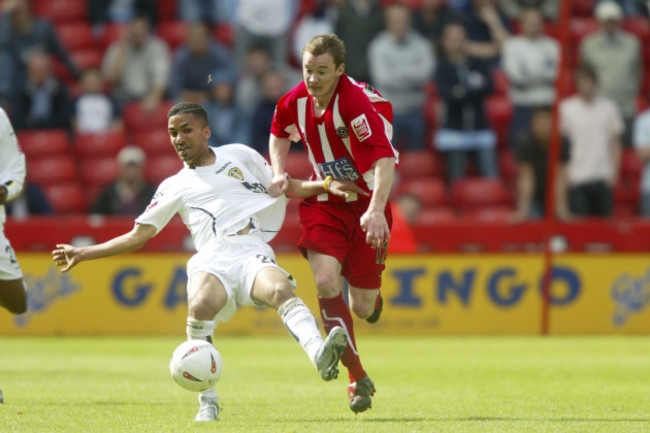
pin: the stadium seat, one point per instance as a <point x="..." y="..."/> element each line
<point x="631" y="166"/>
<point x="436" y="215"/>
<point x="581" y="27"/>
<point x="110" y="34"/>
<point x="66" y="198"/>
<point x="583" y="8"/>
<point x="99" y="171"/>
<point x="224" y="33"/>
<point x="501" y="83"/>
<point x="136" y="119"/>
<point x="431" y="191"/>
<point x="638" y="26"/>
<point x="61" y="11"/>
<point x="99" y="144"/>
<point x="418" y="164"/>
<point x="490" y="214"/>
<point x="154" y="142"/>
<point x="158" y="168"/>
<point x="475" y="192"/>
<point x="76" y="35"/>
<point x="88" y="58"/>
<point x="43" y="142"/>
<point x="508" y="166"/>
<point x="52" y="169"/>
<point x="167" y="10"/>
<point x="499" y="112"/>
<point x="173" y="32"/>
<point x="298" y="165"/>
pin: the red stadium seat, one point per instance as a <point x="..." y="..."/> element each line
<point x="76" y="35"/>
<point x="491" y="214"/>
<point x="43" y="142"/>
<point x="110" y="33"/>
<point x="508" y="166"/>
<point x="418" y="164"/>
<point x="224" y="33"/>
<point x="166" y="10"/>
<point x="159" y="168"/>
<point x="638" y="26"/>
<point x="99" y="144"/>
<point x="499" y="110"/>
<point x="436" y="215"/>
<point x="89" y="58"/>
<point x="136" y="119"/>
<point x="99" y="171"/>
<point x="501" y="83"/>
<point x="154" y="142"/>
<point x="475" y="192"/>
<point x="631" y="166"/>
<point x="431" y="191"/>
<point x="66" y="198"/>
<point x="584" y="8"/>
<point x="581" y="27"/>
<point x="52" y="169"/>
<point x="173" y="32"/>
<point x="298" y="165"/>
<point x="61" y="11"/>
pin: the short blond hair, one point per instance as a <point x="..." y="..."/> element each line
<point x="321" y="44"/>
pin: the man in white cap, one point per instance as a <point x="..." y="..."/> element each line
<point x="616" y="57"/>
<point x="130" y="193"/>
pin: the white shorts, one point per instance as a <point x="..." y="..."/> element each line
<point x="9" y="267"/>
<point x="236" y="261"/>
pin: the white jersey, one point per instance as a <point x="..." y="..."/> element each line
<point x="12" y="163"/>
<point x="219" y="199"/>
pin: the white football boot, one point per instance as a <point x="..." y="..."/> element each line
<point x="330" y="353"/>
<point x="209" y="408"/>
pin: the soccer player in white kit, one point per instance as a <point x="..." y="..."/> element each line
<point x="221" y="196"/>
<point x="12" y="177"/>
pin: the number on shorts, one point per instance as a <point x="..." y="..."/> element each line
<point x="11" y="254"/>
<point x="382" y="253"/>
<point x="265" y="259"/>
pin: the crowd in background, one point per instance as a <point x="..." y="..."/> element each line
<point x="450" y="54"/>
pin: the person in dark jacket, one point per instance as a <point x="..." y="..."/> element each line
<point x="463" y="83"/>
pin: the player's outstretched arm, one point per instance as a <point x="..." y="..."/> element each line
<point x="68" y="256"/>
<point x="309" y="188"/>
<point x="278" y="149"/>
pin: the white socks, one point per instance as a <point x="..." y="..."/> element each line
<point x="202" y="330"/>
<point x="302" y="326"/>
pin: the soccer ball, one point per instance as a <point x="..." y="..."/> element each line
<point x="196" y="365"/>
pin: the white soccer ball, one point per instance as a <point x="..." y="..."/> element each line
<point x="196" y="365"/>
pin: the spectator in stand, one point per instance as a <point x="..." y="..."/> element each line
<point x="94" y="110"/>
<point x="531" y="63"/>
<point x="319" y="22"/>
<point x="401" y="61"/>
<point x="249" y="87"/>
<point x="120" y="11"/>
<point x="431" y="18"/>
<point x="406" y="210"/>
<point x="616" y="57"/>
<point x="21" y="35"/>
<point x="195" y="11"/>
<point x="514" y="8"/>
<point x="228" y="121"/>
<point x="43" y="101"/>
<point x="358" y="22"/>
<point x="593" y="125"/>
<point x="194" y="62"/>
<point x="137" y="65"/>
<point x="130" y="193"/>
<point x="641" y="139"/>
<point x="464" y="82"/>
<point x="487" y="29"/>
<point x="264" y="22"/>
<point x="273" y="87"/>
<point x="31" y="201"/>
<point x="531" y="153"/>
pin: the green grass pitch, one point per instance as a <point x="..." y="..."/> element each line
<point x="424" y="384"/>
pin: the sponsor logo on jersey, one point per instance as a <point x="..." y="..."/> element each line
<point x="361" y="127"/>
<point x="343" y="132"/>
<point x="151" y="206"/>
<point x="342" y="168"/>
<point x="223" y="167"/>
<point x="236" y="173"/>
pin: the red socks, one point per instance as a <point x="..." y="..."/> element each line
<point x="335" y="312"/>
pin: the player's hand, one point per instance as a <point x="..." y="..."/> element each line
<point x="278" y="186"/>
<point x="66" y="255"/>
<point x="343" y="187"/>
<point x="376" y="228"/>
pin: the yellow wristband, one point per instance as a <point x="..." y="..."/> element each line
<point x="326" y="182"/>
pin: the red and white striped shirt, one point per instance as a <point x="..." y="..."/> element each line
<point x="346" y="140"/>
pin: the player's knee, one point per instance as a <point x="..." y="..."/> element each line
<point x="362" y="310"/>
<point x="202" y="307"/>
<point x="279" y="293"/>
<point x="327" y="285"/>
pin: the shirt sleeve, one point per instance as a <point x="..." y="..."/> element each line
<point x="13" y="169"/>
<point x="282" y="118"/>
<point x="163" y="206"/>
<point x="368" y="136"/>
<point x="257" y="165"/>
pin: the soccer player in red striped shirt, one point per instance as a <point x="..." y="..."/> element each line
<point x="345" y="127"/>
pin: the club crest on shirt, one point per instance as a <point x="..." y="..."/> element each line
<point x="343" y="132"/>
<point x="361" y="127"/>
<point x="236" y="173"/>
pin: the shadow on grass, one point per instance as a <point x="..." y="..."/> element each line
<point x="474" y="419"/>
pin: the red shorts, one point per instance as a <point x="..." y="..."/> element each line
<point x="334" y="229"/>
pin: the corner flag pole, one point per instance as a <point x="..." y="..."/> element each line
<point x="564" y="16"/>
